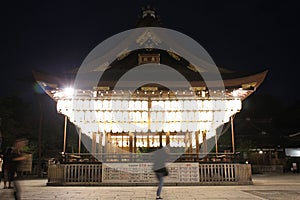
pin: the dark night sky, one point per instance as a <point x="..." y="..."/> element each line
<point x="56" y="35"/>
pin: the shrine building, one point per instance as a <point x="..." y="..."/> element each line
<point x="118" y="117"/>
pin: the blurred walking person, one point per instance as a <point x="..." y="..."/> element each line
<point x="17" y="157"/>
<point x="159" y="168"/>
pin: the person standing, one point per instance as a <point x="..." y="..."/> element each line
<point x="7" y="168"/>
<point x="1" y="162"/>
<point x="159" y="168"/>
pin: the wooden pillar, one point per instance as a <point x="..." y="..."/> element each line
<point x="100" y="142"/>
<point x="186" y="139"/>
<point x="130" y="143"/>
<point x="197" y="144"/>
<point x="216" y="143"/>
<point x="148" y="140"/>
<point x="93" y="142"/>
<point x="190" y="143"/>
<point x="134" y="143"/>
<point x="232" y="135"/>
<point x="105" y="142"/>
<point x="79" y="140"/>
<point x="168" y="138"/>
<point x="204" y="143"/>
<point x="160" y="139"/>
<point x="122" y="146"/>
<point x="108" y="143"/>
<point x="65" y="134"/>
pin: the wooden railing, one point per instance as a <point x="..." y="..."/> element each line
<point x="56" y="174"/>
<point x="91" y="174"/>
<point x="217" y="172"/>
<point x="222" y="173"/>
<point x="82" y="174"/>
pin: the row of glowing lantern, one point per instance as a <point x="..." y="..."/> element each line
<point x="144" y="128"/>
<point x="178" y="141"/>
<point x="142" y="105"/>
<point x="143" y="117"/>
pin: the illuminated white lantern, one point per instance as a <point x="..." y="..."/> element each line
<point x="92" y="104"/>
<point x="86" y="105"/>
<point x="227" y="116"/>
<point x="137" y="105"/>
<point x="194" y="105"/>
<point x="80" y="116"/>
<point x="177" y="126"/>
<point x="107" y="116"/>
<point x="204" y="116"/>
<point x="99" y="116"/>
<point x="107" y="127"/>
<point x="80" y="104"/>
<point x="167" y="105"/>
<point x="115" y="128"/>
<point x="153" y="127"/>
<point x="200" y="105"/>
<point x="87" y="116"/>
<point x="71" y="116"/>
<point x="124" y="105"/>
<point x="178" y="116"/>
<point x="105" y="105"/>
<point x="159" y="126"/>
<point x="144" y="127"/>
<point x="101" y="127"/>
<point x="166" y="127"/>
<point x="159" y="117"/>
<point x="161" y="105"/>
<point x="153" y="117"/>
<point x="116" y="105"/>
<point x="219" y="116"/>
<point x="184" y="126"/>
<point x="237" y="104"/>
<point x="145" y="105"/>
<point x="125" y="117"/>
<point x="93" y="116"/>
<point x="154" y="105"/>
<point x="184" y="116"/>
<point x="64" y="106"/>
<point x="220" y="105"/>
<point x="187" y="105"/>
<point x="191" y="116"/>
<point x="74" y="104"/>
<point x="126" y="127"/>
<point x="144" y="117"/>
<point x="131" y="105"/>
<point x="207" y="105"/>
<point x="138" y="116"/>
<point x="98" y="105"/>
<point x="131" y="117"/>
<point x="192" y="126"/>
<point x="180" y="105"/>
<point x="173" y="105"/>
<point x="59" y="106"/>
<point x="118" y="116"/>
<point x="132" y="127"/>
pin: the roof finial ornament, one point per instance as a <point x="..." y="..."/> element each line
<point x="148" y="11"/>
<point x="148" y="18"/>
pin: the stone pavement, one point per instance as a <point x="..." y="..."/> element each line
<point x="271" y="187"/>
